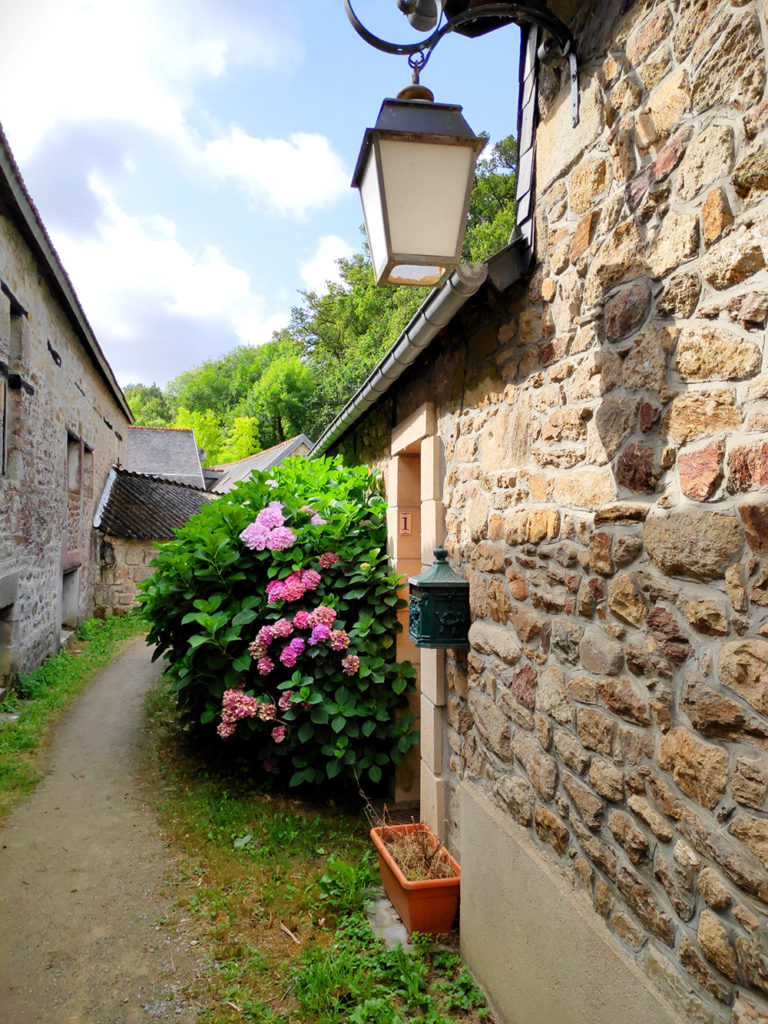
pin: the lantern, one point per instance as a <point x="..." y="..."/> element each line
<point x="438" y="610"/>
<point x="415" y="174"/>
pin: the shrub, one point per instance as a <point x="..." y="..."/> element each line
<point x="277" y="611"/>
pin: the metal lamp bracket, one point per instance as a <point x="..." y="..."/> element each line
<point x="559" y="44"/>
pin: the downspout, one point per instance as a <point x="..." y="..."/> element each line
<point x="436" y="312"/>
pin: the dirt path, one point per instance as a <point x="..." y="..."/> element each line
<point x="81" y="875"/>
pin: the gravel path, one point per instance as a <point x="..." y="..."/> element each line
<point x="82" y="867"/>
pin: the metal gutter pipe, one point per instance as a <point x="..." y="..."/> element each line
<point x="438" y="309"/>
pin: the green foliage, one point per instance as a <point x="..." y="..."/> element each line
<point x="241" y="441"/>
<point x="207" y="600"/>
<point x="281" y="398"/>
<point x="40" y="695"/>
<point x="491" y="218"/>
<point x="360" y="980"/>
<point x="347" y="887"/>
<point x="150" y="406"/>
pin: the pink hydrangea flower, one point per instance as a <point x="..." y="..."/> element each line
<point x="320" y="633"/>
<point x="275" y="591"/>
<point x="339" y="640"/>
<point x="265" y="666"/>
<point x="265" y="634"/>
<point x="281" y="539"/>
<point x="288" y="657"/>
<point x="283" y="627"/>
<point x="322" y="615"/>
<point x="294" y="587"/>
<point x="350" y="664"/>
<point x="255" y="537"/>
<point x="328" y="559"/>
<point x="298" y="645"/>
<point x="257" y="648"/>
<point x="310" y="578"/>
<point x="301" y="620"/>
<point x="285" y="701"/>
<point x="317" y="520"/>
<point x="267" y="712"/>
<point x="235" y="705"/>
<point x="272" y="516"/>
<point x="278" y="733"/>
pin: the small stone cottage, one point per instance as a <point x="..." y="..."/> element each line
<point x="63" y="423"/>
<point x="582" y="421"/>
<point x="136" y="512"/>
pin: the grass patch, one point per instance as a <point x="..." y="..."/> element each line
<point x="273" y="889"/>
<point x="41" y="695"/>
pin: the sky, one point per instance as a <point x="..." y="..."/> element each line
<point x="191" y="159"/>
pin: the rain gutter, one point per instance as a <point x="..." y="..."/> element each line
<point x="437" y="311"/>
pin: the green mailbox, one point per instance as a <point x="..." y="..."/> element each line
<point x="438" y="609"/>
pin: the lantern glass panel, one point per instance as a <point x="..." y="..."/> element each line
<point x="426" y="186"/>
<point x="373" y="211"/>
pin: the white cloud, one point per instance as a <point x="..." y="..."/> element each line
<point x="316" y="273"/>
<point x="134" y="62"/>
<point x="136" y="271"/>
<point x="291" y="177"/>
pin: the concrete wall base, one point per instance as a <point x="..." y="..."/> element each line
<point x="533" y="942"/>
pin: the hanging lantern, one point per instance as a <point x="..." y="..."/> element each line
<point x="415" y="174"/>
<point x="438" y="609"/>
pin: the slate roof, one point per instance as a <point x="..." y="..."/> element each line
<point x="233" y="472"/>
<point x="142" y="507"/>
<point x="169" y="452"/>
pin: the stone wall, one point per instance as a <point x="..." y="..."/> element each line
<point x="60" y="443"/>
<point x="606" y="467"/>
<point x="123" y="564"/>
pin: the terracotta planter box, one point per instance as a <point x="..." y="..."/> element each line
<point x="428" y="906"/>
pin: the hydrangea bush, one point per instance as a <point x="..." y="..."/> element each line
<point x="276" y="610"/>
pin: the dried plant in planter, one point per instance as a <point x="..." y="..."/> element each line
<point x="418" y="853"/>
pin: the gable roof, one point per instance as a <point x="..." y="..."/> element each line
<point x="142" y="507"/>
<point x="16" y="203"/>
<point x="233" y="472"/>
<point x="169" y="452"/>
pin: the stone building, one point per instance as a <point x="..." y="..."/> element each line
<point x="589" y="442"/>
<point x="63" y="422"/>
<point x="137" y="511"/>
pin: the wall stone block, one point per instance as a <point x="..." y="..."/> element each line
<point x="540" y="767"/>
<point x="699" y="769"/>
<point x="698" y="414"/>
<point x="645" y="906"/>
<point x="707" y="158"/>
<point x="736" y="258"/>
<point x="712" y="353"/>
<point x="701" y="471"/>
<point x="716" y="215"/>
<point x="674" y="543"/>
<point x="749" y="783"/>
<point x="748" y="466"/>
<point x="550" y="829"/>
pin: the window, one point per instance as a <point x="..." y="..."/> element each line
<point x="87" y="471"/>
<point x="74" y="464"/>
<point x="3" y="422"/>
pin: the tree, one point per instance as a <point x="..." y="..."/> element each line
<point x="491" y="218"/>
<point x="208" y="432"/>
<point x="149" y="405"/>
<point x="281" y="399"/>
<point x="241" y="441"/>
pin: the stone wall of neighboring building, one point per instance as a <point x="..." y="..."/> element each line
<point x="123" y="564"/>
<point x="62" y="424"/>
<point x="604" y="483"/>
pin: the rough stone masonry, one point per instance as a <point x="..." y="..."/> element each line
<point x="606" y="494"/>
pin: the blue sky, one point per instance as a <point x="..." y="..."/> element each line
<point x="191" y="159"/>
